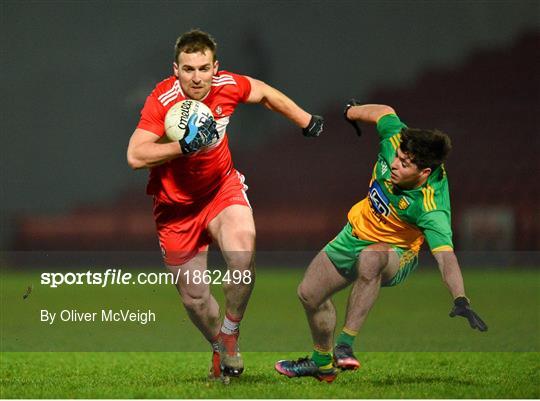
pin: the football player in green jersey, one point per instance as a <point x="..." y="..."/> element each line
<point x="407" y="202"/>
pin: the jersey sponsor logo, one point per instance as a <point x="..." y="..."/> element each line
<point x="378" y="200"/>
<point x="403" y="203"/>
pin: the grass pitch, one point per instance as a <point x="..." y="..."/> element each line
<point x="432" y="356"/>
<point x="182" y="375"/>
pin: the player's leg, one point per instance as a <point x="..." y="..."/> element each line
<point x="320" y="282"/>
<point x="200" y="305"/>
<point x="377" y="263"/>
<point x="234" y="231"/>
<point x="184" y="245"/>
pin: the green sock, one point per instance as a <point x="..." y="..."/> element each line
<point x="322" y="359"/>
<point x="346" y="337"/>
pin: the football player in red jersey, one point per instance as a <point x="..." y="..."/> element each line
<point x="198" y="195"/>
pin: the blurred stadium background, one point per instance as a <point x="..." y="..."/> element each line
<point x="76" y="74"/>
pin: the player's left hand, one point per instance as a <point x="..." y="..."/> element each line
<point x="315" y="126"/>
<point x="202" y="136"/>
<point x="462" y="308"/>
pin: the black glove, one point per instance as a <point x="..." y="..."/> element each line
<point x="354" y="123"/>
<point x="197" y="138"/>
<point x="315" y="126"/>
<point x="462" y="308"/>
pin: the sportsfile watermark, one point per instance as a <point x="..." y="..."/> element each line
<point x="125" y="301"/>
<point x="112" y="277"/>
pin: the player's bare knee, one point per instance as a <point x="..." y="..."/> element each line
<point x="306" y="297"/>
<point x="195" y="303"/>
<point x="240" y="239"/>
<point x="372" y="261"/>
<point x="195" y="297"/>
<point x="240" y="260"/>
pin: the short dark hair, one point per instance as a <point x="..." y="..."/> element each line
<point x="425" y="148"/>
<point x="194" y="41"/>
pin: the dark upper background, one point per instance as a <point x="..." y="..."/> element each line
<point x="75" y="75"/>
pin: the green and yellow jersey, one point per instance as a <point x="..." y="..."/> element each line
<point x="402" y="217"/>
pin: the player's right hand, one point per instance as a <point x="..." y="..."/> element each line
<point x="462" y="308"/>
<point x="199" y="137"/>
<point x="353" y="123"/>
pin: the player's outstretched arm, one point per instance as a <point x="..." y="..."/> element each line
<point x="275" y="100"/>
<point x="451" y="274"/>
<point x="368" y="113"/>
<point x="144" y="151"/>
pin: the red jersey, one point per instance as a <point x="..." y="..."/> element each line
<point x="186" y="179"/>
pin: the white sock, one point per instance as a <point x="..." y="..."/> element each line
<point x="229" y="326"/>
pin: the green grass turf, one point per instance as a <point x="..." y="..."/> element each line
<point x="182" y="375"/>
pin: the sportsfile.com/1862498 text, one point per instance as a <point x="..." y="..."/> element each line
<point x="118" y="277"/>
